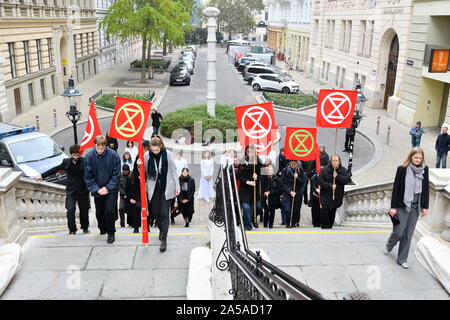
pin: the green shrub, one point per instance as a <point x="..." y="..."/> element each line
<point x="155" y="64"/>
<point x="109" y="100"/>
<point x="295" y="101"/>
<point x="184" y="118"/>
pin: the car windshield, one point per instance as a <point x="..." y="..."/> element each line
<point x="286" y="78"/>
<point x="34" y="149"/>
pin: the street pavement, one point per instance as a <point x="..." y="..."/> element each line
<point x="334" y="263"/>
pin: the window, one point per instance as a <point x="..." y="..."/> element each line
<point x="342" y="38"/>
<point x="323" y="70"/>
<point x="348" y="36"/>
<point x="311" y="67"/>
<point x="327" y="73"/>
<point x="39" y="53"/>
<point x="327" y="34"/>
<point x="362" y="37"/>
<point x="53" y="84"/>
<point x="370" y="39"/>
<point x="316" y="32"/>
<point x="93" y="41"/>
<point x="333" y="24"/>
<point x="12" y="59"/>
<point x="363" y="81"/>
<point x="27" y="56"/>
<point x="50" y="52"/>
<point x="75" y="45"/>
<point x="355" y="80"/>
<point x="31" y="94"/>
<point x="336" y="80"/>
<point x="341" y="84"/>
<point x="42" y="81"/>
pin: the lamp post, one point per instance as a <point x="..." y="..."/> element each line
<point x="72" y="97"/>
<point x="357" y="117"/>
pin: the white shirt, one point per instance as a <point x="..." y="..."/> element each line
<point x="180" y="164"/>
<point x="133" y="152"/>
<point x="225" y="159"/>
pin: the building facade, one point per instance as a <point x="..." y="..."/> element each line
<point x="43" y="43"/>
<point x="289" y="31"/>
<point x="111" y="51"/>
<point x="3" y="103"/>
<point x="361" y="40"/>
<point x="425" y="95"/>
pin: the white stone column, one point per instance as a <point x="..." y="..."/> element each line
<point x="211" y="13"/>
<point x="4" y="114"/>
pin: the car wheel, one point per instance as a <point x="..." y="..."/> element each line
<point x="285" y="90"/>
<point x="250" y="81"/>
<point x="256" y="87"/>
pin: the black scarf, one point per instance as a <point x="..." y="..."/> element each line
<point x="152" y="170"/>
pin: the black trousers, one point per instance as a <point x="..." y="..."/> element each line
<point x="269" y="216"/>
<point x="315" y="211"/>
<point x="327" y="216"/>
<point x="347" y="142"/>
<point x="160" y="208"/>
<point x="83" y="205"/>
<point x="124" y="207"/>
<point x="136" y="214"/>
<point x="106" y="212"/>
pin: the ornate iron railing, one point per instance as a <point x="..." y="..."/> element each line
<point x="252" y="277"/>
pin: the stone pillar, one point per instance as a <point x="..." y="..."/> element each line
<point x="211" y="13"/>
<point x="446" y="233"/>
<point x="4" y="114"/>
<point x="10" y="228"/>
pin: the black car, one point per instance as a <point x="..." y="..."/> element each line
<point x="180" y="75"/>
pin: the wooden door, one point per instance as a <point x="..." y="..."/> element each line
<point x="17" y="101"/>
<point x="391" y="71"/>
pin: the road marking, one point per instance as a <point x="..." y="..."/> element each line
<point x="124" y="234"/>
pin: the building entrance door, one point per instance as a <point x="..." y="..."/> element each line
<point x="391" y="71"/>
<point x="17" y="101"/>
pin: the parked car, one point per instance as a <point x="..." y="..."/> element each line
<point x="242" y="68"/>
<point x="189" y="58"/>
<point x="188" y="53"/>
<point x="248" y="61"/>
<point x="180" y="75"/>
<point x="245" y="60"/>
<point x="31" y="152"/>
<point x="188" y="64"/>
<point x="275" y="82"/>
<point x="250" y="72"/>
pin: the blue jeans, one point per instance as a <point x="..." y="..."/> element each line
<point x="247" y="208"/>
<point x="415" y="143"/>
<point x="441" y="156"/>
<point x="286" y="207"/>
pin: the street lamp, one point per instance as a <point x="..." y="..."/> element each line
<point x="357" y="117"/>
<point x="72" y="97"/>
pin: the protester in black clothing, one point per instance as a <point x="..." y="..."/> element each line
<point x="123" y="201"/>
<point x="332" y="177"/>
<point x="291" y="172"/>
<point x="156" y="121"/>
<point x="186" y="197"/>
<point x="348" y="135"/>
<point x="133" y="197"/>
<point x="324" y="158"/>
<point x="102" y="178"/>
<point x="76" y="190"/>
<point x="111" y="143"/>
<point x="272" y="194"/>
<point x="314" y="202"/>
<point x="249" y="175"/>
<point x="282" y="162"/>
<point x="442" y="147"/>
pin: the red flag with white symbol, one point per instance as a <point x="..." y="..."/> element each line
<point x="335" y="108"/>
<point x="92" y="129"/>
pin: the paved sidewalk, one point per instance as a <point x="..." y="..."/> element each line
<point x="387" y="157"/>
<point x="113" y="78"/>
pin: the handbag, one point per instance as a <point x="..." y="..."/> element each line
<point x="395" y="220"/>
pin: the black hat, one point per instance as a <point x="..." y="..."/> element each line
<point x="125" y="167"/>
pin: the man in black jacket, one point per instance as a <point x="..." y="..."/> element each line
<point x="291" y="172"/>
<point x="156" y="121"/>
<point x="102" y="177"/>
<point x="442" y="147"/>
<point x="76" y="190"/>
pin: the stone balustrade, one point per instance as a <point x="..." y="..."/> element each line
<point x="368" y="205"/>
<point x="29" y="207"/>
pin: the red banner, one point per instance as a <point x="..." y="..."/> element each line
<point x="256" y="125"/>
<point x="130" y="119"/>
<point x="144" y="223"/>
<point x="335" y="108"/>
<point x="92" y="129"/>
<point x="300" y="144"/>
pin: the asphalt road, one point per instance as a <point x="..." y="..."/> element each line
<point x="231" y="89"/>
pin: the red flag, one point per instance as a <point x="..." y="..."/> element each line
<point x="130" y="119"/>
<point x="92" y="129"/>
<point x="300" y="144"/>
<point x="256" y="125"/>
<point x="335" y="108"/>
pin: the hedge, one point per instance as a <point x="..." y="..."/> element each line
<point x="155" y="64"/>
<point x="185" y="118"/>
<point x="295" y="101"/>
<point x="108" y="100"/>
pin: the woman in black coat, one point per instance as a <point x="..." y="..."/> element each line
<point x="272" y="193"/>
<point x="332" y="177"/>
<point x="410" y="198"/>
<point x="186" y="197"/>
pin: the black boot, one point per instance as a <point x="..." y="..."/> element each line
<point x="111" y="239"/>
<point x="136" y="230"/>
<point x="163" y="246"/>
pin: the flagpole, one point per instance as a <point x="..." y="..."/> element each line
<point x="144" y="223"/>
<point x="334" y="169"/>
<point x="254" y="189"/>
<point x="293" y="198"/>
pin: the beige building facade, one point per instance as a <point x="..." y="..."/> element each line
<point x="361" y="40"/>
<point x="425" y="95"/>
<point x="43" y="43"/>
<point x="289" y="31"/>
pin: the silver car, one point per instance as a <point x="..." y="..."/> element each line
<point x="252" y="71"/>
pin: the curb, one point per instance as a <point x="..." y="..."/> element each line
<point x="281" y="108"/>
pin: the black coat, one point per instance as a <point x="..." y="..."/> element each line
<point x="75" y="175"/>
<point x="287" y="182"/>
<point x="102" y="171"/>
<point x="190" y="190"/>
<point x="398" y="191"/>
<point x="442" y="143"/>
<point x="326" y="186"/>
<point x="112" y="143"/>
<point x="156" y="119"/>
<point x="273" y="185"/>
<point x="282" y="163"/>
<point x="244" y="174"/>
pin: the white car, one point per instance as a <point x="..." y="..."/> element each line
<point x="274" y="82"/>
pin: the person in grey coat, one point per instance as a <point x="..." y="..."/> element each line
<point x="410" y="198"/>
<point x="162" y="185"/>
